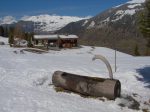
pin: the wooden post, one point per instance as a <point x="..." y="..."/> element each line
<point x="90" y="86"/>
<point x="115" y="60"/>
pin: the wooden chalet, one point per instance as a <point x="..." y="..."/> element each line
<point x="61" y="41"/>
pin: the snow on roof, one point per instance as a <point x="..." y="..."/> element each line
<point x="45" y="36"/>
<point x="55" y="36"/>
<point x="63" y="36"/>
<point x="68" y="36"/>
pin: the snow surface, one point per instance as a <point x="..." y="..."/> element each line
<point x="118" y="6"/>
<point x="55" y="36"/>
<point x="86" y="21"/>
<point x="5" y="40"/>
<point x="45" y="36"/>
<point x="91" y="24"/>
<point x="68" y="36"/>
<point x="20" y="42"/>
<point x="44" y="22"/>
<point x="133" y="5"/>
<point x="51" y="22"/>
<point x="136" y="1"/>
<point x="25" y="79"/>
<point x="7" y="20"/>
<point x="106" y="20"/>
<point x="121" y="13"/>
<point x="130" y="12"/>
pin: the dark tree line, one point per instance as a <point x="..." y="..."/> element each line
<point x="4" y="31"/>
<point x="16" y="32"/>
<point x="144" y="24"/>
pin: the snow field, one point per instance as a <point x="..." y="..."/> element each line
<point x="25" y="79"/>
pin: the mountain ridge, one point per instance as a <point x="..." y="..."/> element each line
<point x="116" y="28"/>
<point x="43" y="22"/>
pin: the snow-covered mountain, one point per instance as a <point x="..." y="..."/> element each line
<point x="50" y="22"/>
<point x="114" y="14"/>
<point x="7" y="20"/>
<point x="117" y="23"/>
<point x="43" y="22"/>
<point x="119" y="12"/>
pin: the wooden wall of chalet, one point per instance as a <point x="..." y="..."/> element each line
<point x="62" y="43"/>
<point x="68" y="43"/>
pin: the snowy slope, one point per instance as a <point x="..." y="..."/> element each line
<point x="7" y="20"/>
<point x="24" y="80"/>
<point x="115" y="14"/>
<point x="43" y="22"/>
<point x="50" y="22"/>
<point x="5" y="40"/>
<point x="122" y="17"/>
<point x="136" y="1"/>
<point x="131" y="8"/>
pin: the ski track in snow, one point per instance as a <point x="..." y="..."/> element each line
<point x="25" y="79"/>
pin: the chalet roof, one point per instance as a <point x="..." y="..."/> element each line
<point x="45" y="36"/>
<point x="68" y="36"/>
<point x="55" y="36"/>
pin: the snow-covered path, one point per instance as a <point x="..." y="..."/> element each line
<point x="25" y="79"/>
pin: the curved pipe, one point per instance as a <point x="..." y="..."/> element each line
<point x="106" y="62"/>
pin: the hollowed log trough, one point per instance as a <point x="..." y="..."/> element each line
<point x="89" y="86"/>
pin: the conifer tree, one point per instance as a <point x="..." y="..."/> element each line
<point x="136" y="51"/>
<point x="11" y="36"/>
<point x="6" y="32"/>
<point x="1" y="31"/>
<point x="30" y="36"/>
<point x="146" y="52"/>
<point x="145" y="22"/>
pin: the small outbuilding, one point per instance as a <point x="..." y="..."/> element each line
<point x="20" y="42"/>
<point x="60" y="41"/>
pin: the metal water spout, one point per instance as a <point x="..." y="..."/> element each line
<point x="106" y="62"/>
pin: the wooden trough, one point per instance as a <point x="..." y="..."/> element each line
<point x="89" y="86"/>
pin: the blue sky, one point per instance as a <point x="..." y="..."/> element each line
<point x="80" y="8"/>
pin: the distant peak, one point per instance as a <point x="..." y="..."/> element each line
<point x="136" y="1"/>
<point x="46" y="22"/>
<point x="7" y="20"/>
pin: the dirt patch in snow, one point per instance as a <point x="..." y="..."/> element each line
<point x="130" y="102"/>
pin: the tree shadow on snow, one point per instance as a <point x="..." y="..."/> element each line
<point x="145" y="73"/>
